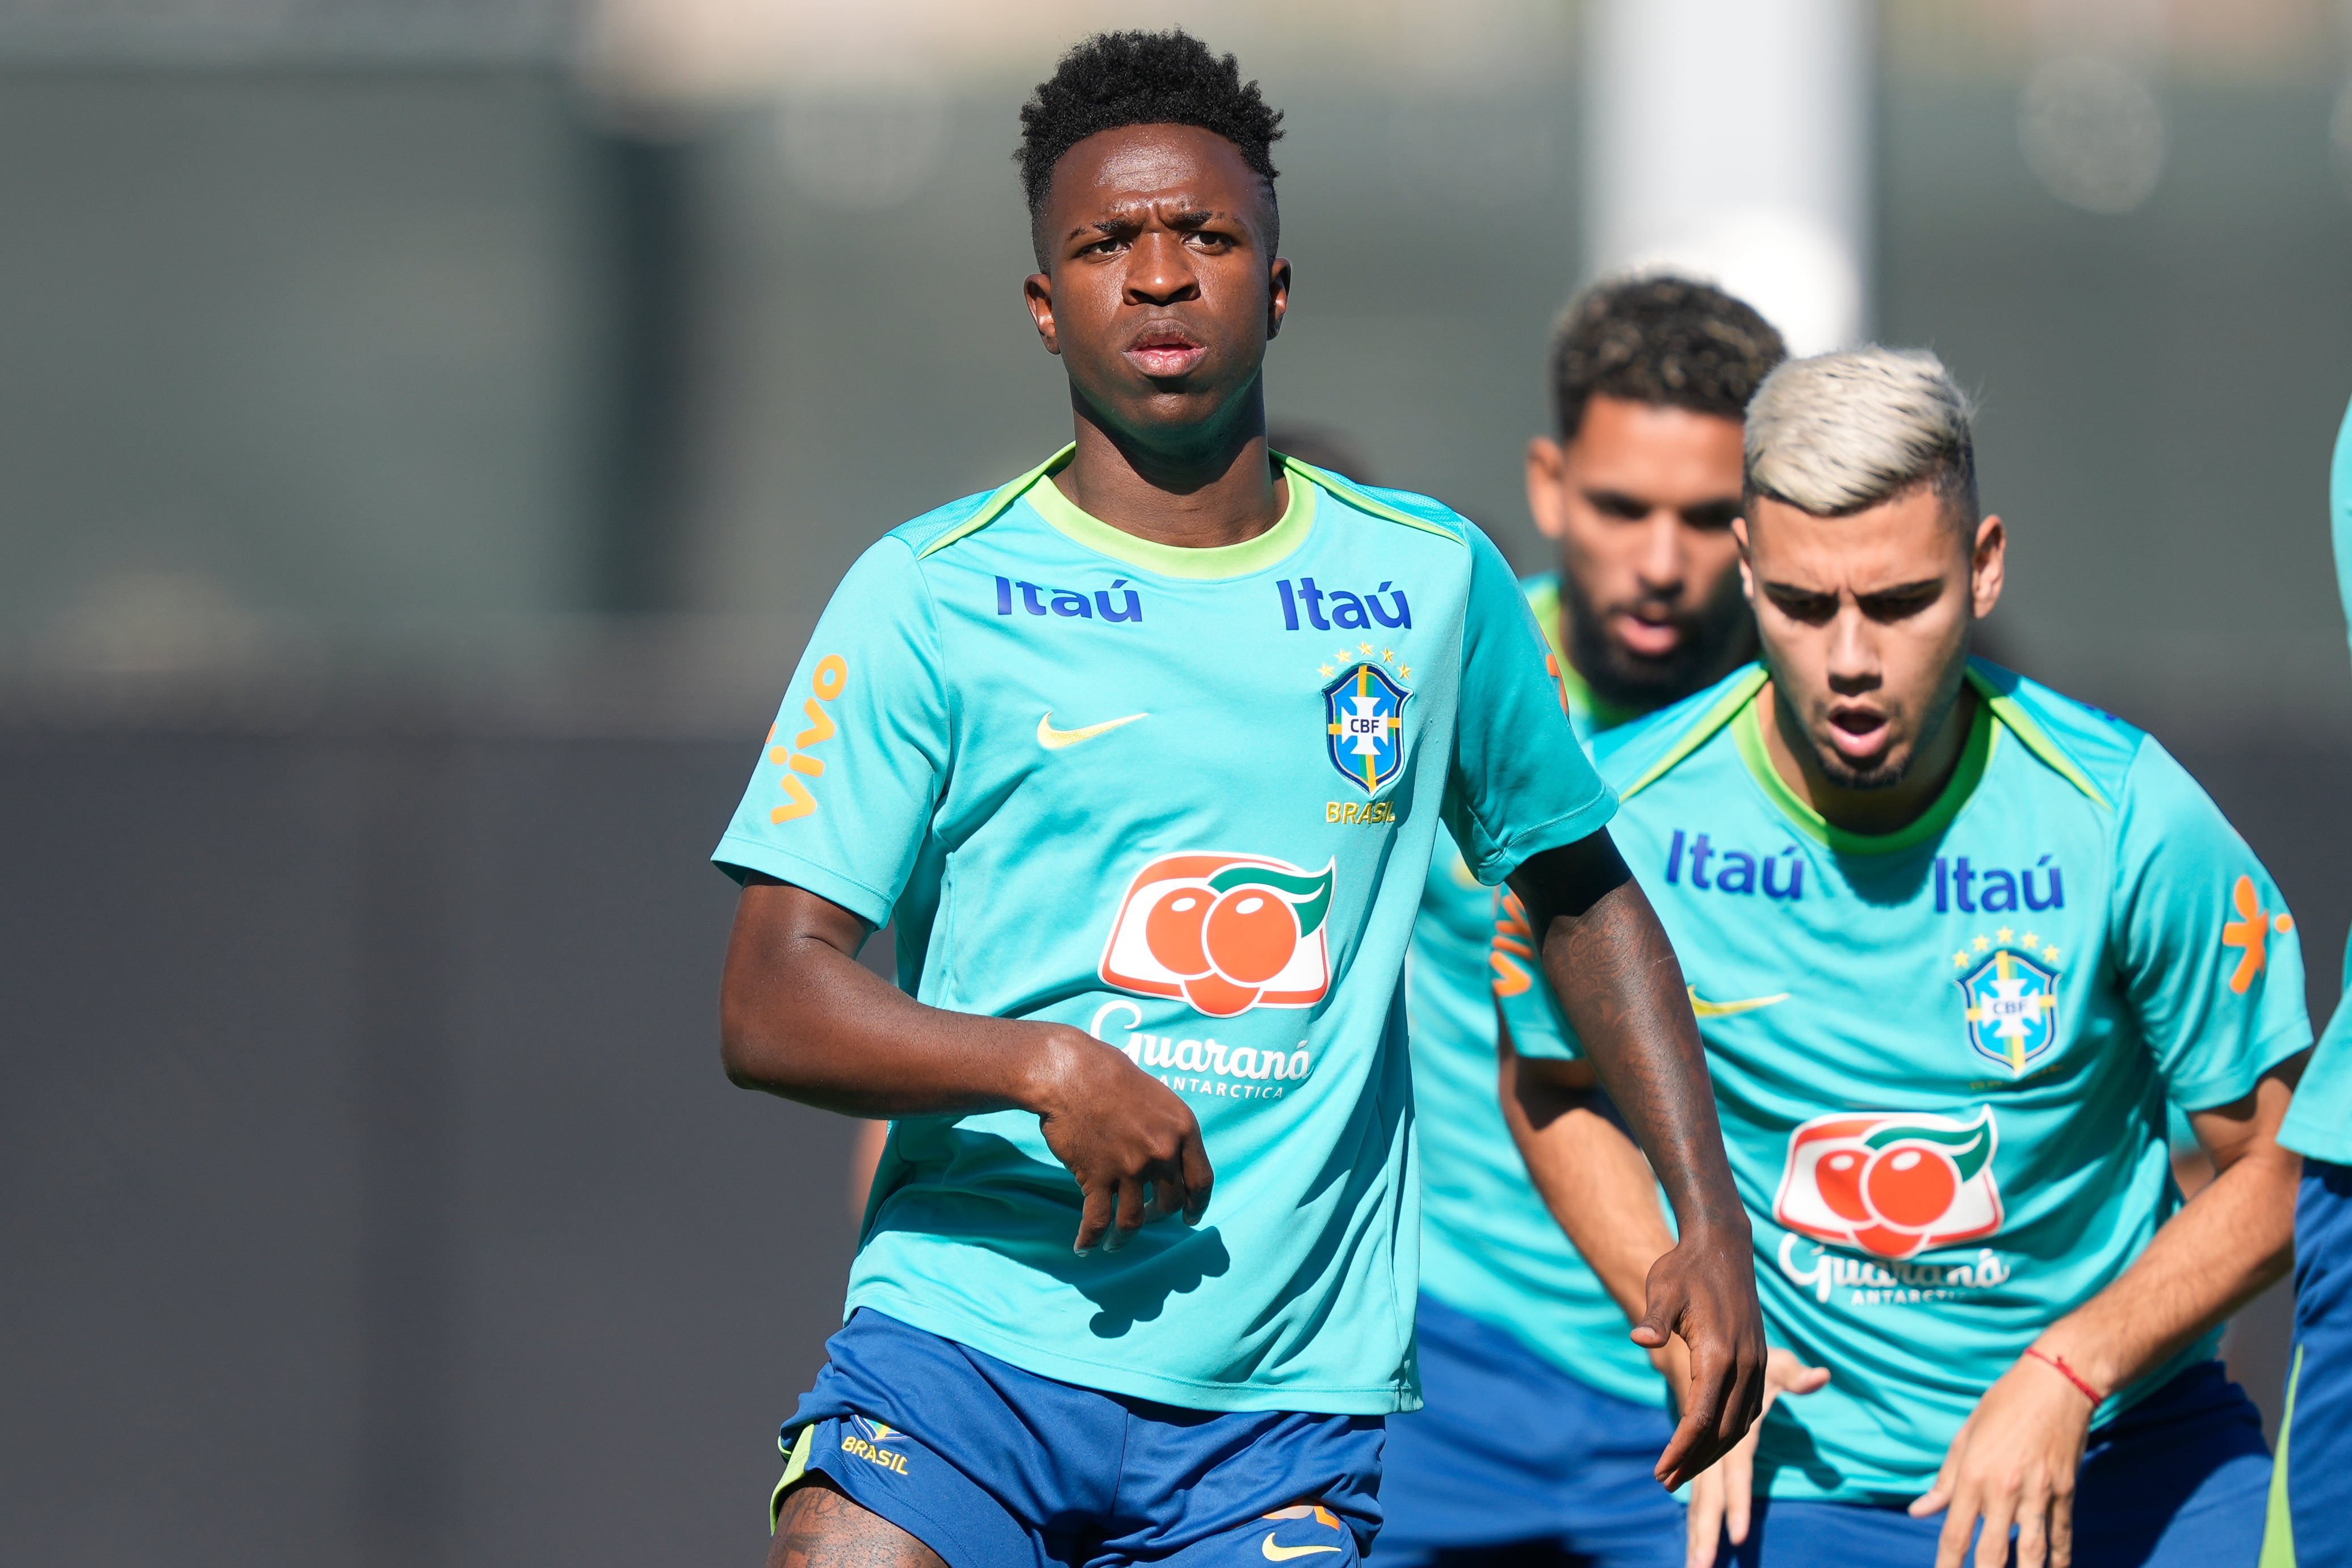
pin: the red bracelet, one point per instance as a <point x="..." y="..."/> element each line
<point x="2068" y="1372"/>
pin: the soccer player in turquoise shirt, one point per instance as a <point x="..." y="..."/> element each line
<point x="1144" y="754"/>
<point x="1518" y="1333"/>
<point x="2311" y="1494"/>
<point x="1956" y="941"/>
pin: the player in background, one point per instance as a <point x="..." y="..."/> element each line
<point x="1956" y="939"/>
<point x="2311" y="1490"/>
<point x="1635" y="490"/>
<point x="1144" y="754"/>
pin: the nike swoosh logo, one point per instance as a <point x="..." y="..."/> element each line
<point x="1284" y="1553"/>
<point x="1704" y="1008"/>
<point x="1054" y="740"/>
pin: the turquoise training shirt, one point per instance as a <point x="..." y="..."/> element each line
<point x="2319" y="1122"/>
<point x="1942" y="1056"/>
<point x="1490" y="1248"/>
<point x="1184" y="800"/>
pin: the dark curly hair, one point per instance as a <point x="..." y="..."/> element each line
<point x="1660" y="340"/>
<point x="1140" y="78"/>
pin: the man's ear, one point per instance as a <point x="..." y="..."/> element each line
<point x="1986" y="564"/>
<point x="1546" y="466"/>
<point x="1277" y="297"/>
<point x="1037" y="293"/>
<point x="1746" y="571"/>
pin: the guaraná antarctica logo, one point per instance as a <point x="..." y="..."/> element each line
<point x="1224" y="932"/>
<point x="1893" y="1184"/>
<point x="2010" y="995"/>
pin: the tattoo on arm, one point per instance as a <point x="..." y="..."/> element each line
<point x="821" y="1528"/>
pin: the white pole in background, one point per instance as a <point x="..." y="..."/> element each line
<point x="1729" y="140"/>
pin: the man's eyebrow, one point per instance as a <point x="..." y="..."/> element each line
<point x="1898" y="591"/>
<point x="1128" y="220"/>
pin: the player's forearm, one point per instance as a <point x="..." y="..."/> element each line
<point x="1621" y="988"/>
<point x="1592" y="1177"/>
<point x="2232" y="1242"/>
<point x="800" y="1018"/>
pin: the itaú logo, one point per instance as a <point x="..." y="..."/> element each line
<point x="1891" y="1182"/>
<point x="1224" y="932"/>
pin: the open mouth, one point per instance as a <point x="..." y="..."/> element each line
<point x="1648" y="638"/>
<point x="1165" y="350"/>
<point x="1859" y="733"/>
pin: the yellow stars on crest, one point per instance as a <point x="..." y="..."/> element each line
<point x="1363" y="651"/>
<point x="2032" y="946"/>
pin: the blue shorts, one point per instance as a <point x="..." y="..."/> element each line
<point x="2178" y="1480"/>
<point x="1513" y="1459"/>
<point x="2311" y="1497"/>
<point x="992" y="1467"/>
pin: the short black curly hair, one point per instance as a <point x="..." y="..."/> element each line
<point x="1140" y="78"/>
<point x="1660" y="340"/>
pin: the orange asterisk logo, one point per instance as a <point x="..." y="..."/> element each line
<point x="2250" y="931"/>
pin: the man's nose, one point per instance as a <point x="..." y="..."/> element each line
<point x="1854" y="659"/>
<point x="1660" y="565"/>
<point x="1160" y="270"/>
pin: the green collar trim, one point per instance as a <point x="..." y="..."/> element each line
<point x="1287" y="534"/>
<point x="1727" y="708"/>
<point x="994" y="506"/>
<point x="2013" y="717"/>
<point x="1214" y="560"/>
<point x="1543" y="598"/>
<point x="1347" y="492"/>
<point x="1984" y="735"/>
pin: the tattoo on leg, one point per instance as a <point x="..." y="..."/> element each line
<point x="821" y="1528"/>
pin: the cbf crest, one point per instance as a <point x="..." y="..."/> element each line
<point x="2012" y="999"/>
<point x="1364" y="714"/>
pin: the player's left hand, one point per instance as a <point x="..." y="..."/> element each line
<point x="2013" y="1463"/>
<point x="1705" y="1290"/>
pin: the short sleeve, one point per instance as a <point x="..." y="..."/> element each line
<point x="845" y="784"/>
<point x="2319" y="1122"/>
<point x="2205" y="947"/>
<point x="1520" y="783"/>
<point x="1529" y="1009"/>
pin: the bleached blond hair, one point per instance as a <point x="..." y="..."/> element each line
<point x="1839" y="433"/>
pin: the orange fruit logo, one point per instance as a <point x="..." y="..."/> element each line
<point x="1224" y="932"/>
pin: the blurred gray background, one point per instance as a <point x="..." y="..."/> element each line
<point x="428" y="430"/>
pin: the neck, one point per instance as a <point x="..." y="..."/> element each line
<point x="1609" y="711"/>
<point x="1220" y="489"/>
<point x="1868" y="811"/>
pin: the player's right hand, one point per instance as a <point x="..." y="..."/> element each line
<point x="1704" y="1290"/>
<point x="1131" y="1142"/>
<point x="1722" y="1498"/>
